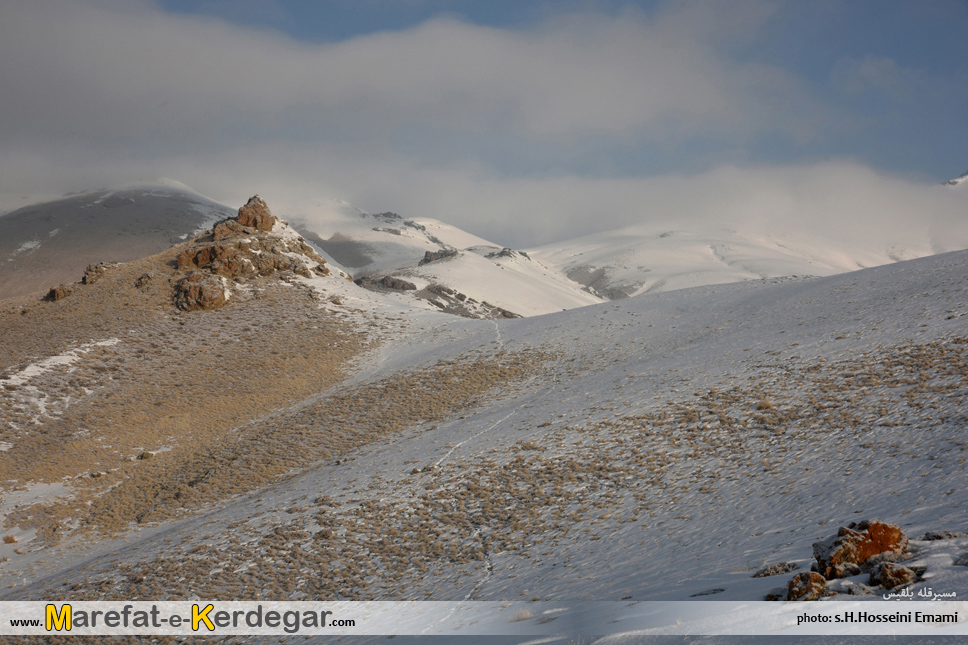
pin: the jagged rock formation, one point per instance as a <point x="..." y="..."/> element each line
<point x="237" y="248"/>
<point x="256" y="214"/>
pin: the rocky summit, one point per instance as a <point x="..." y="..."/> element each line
<point x="237" y="248"/>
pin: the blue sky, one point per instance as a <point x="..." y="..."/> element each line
<point x="518" y="120"/>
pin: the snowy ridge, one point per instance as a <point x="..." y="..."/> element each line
<point x="650" y="258"/>
<point x="388" y="245"/>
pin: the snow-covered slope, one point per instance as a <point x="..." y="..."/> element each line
<point x="472" y="276"/>
<point x="661" y="447"/>
<point x="44" y="244"/>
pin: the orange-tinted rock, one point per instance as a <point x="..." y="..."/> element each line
<point x="256" y="214"/>
<point x="806" y="586"/>
<point x="857" y="546"/>
<point x="227" y="228"/>
<point x="202" y="257"/>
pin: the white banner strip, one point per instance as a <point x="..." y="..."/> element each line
<point x="614" y="620"/>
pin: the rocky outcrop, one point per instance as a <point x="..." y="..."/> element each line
<point x="808" y="585"/>
<point x="200" y="291"/>
<point x="434" y="256"/>
<point x="386" y="283"/>
<point x="855" y="545"/>
<point x="256" y="214"/>
<point x="94" y="272"/>
<point x="58" y="293"/>
<point x="239" y="248"/>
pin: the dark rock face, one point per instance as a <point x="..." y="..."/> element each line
<point x="396" y="283"/>
<point x="433" y="256"/>
<point x="804" y="586"/>
<point x="256" y="214"/>
<point x="856" y="545"/>
<point x="58" y="293"/>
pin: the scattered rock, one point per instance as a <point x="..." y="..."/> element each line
<point x="199" y="290"/>
<point x="256" y="214"/>
<point x="143" y="281"/>
<point x="806" y="586"/>
<point x="856" y="545"/>
<point x="93" y="272"/>
<point x="58" y="293"/>
<point x="776" y="593"/>
<point x="859" y="589"/>
<point x="145" y="455"/>
<point x="776" y="569"/>
<point x="892" y="575"/>
<point x="941" y="535"/>
<point x="961" y="560"/>
<point x="433" y="256"/>
<point x="708" y="592"/>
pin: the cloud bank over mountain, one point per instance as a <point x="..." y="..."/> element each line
<point x="525" y="135"/>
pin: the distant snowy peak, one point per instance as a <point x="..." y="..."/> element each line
<point x="426" y="263"/>
<point x="963" y="179"/>
<point x="644" y="259"/>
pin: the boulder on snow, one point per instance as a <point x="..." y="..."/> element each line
<point x="892" y="575"/>
<point x="256" y="214"/>
<point x="776" y="569"/>
<point x="855" y="545"/>
<point x="808" y="585"/>
<point x="941" y="535"/>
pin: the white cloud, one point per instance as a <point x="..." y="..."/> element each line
<point x="98" y="93"/>
<point x="109" y="70"/>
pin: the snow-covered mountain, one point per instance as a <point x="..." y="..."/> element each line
<point x="46" y="243"/>
<point x="661" y="447"/>
<point x="656" y="257"/>
<point x="435" y="265"/>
